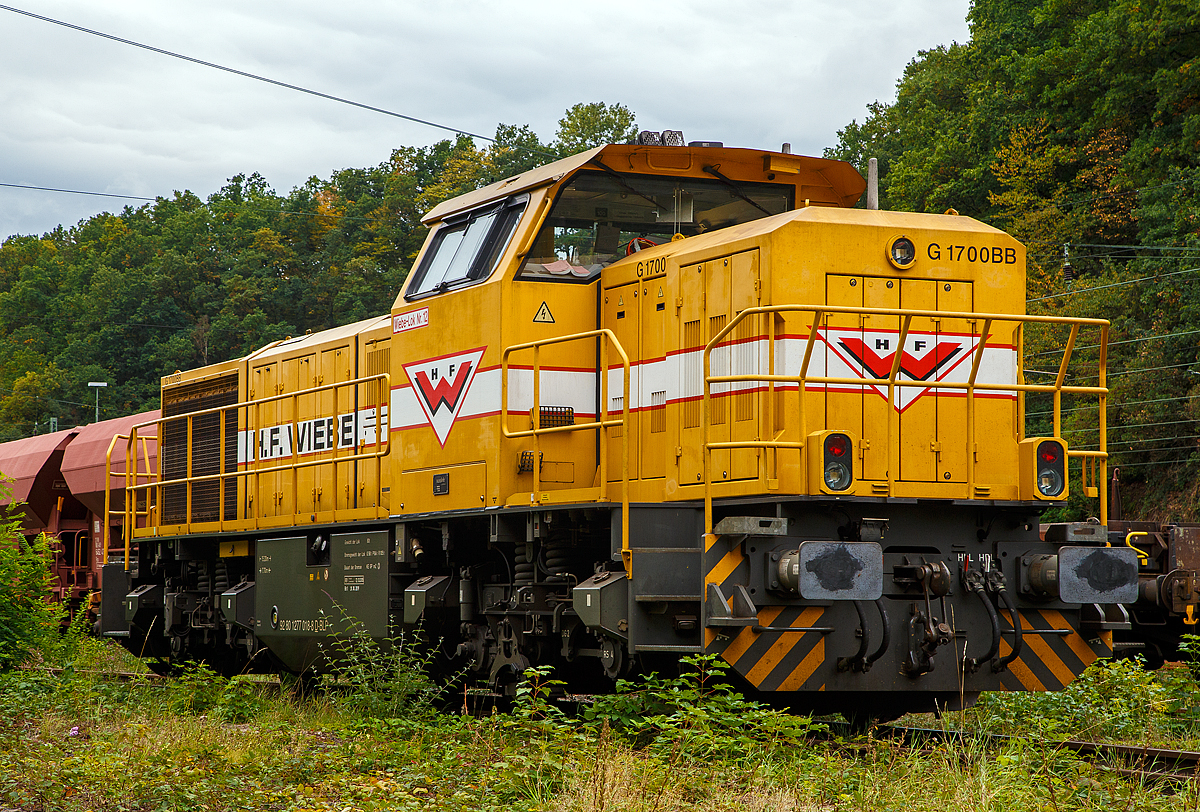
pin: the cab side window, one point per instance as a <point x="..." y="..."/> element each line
<point x="466" y="247"/>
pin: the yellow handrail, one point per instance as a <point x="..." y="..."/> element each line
<point x="821" y="312"/>
<point x="381" y="445"/>
<point x="131" y="471"/>
<point x="602" y="424"/>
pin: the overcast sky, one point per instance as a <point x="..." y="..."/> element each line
<point x="80" y="112"/>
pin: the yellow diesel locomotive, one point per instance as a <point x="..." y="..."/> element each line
<point x="638" y="403"/>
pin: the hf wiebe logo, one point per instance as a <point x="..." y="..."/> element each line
<point x="924" y="357"/>
<point x="441" y="386"/>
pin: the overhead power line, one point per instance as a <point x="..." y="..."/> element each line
<point x="1113" y="285"/>
<point x="1139" y="247"/>
<point x="1136" y="371"/>
<point x="1113" y="405"/>
<point x="1121" y="426"/>
<point x="1117" y="375"/>
<point x="73" y="191"/>
<point x="1114" y="450"/>
<point x="49" y="400"/>
<point x="169" y="200"/>
<point x="1049" y="257"/>
<point x="258" y="78"/>
<point x="1123" y="445"/>
<point x="1114" y="343"/>
<point x="1143" y="464"/>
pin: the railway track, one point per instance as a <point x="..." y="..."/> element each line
<point x="115" y="676"/>
<point x="133" y="676"/>
<point x="1131" y="761"/>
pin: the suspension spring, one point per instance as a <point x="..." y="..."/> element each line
<point x="523" y="565"/>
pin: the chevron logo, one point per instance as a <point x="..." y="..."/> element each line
<point x="872" y="354"/>
<point x="441" y="385"/>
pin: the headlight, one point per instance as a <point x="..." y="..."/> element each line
<point x="837" y="457"/>
<point x="1043" y="469"/>
<point x="830" y="462"/>
<point x="902" y="252"/>
<point x="1049" y="482"/>
<point x="837" y="476"/>
<point x="1051" y="468"/>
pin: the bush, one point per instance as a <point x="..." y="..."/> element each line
<point x="28" y="621"/>
<point x="1115" y="699"/>
<point x="697" y="715"/>
<point x="239" y="700"/>
<point x="197" y="689"/>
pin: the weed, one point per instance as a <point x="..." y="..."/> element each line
<point x="533" y="697"/>
<point x="197" y="689"/>
<point x="378" y="679"/>
<point x="239" y="701"/>
<point x="1115" y="699"/>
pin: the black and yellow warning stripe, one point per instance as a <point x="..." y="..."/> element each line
<point x="777" y="660"/>
<point x="1049" y="662"/>
<point x="770" y="660"/>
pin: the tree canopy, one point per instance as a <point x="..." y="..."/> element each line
<point x="130" y="296"/>
<point x="1076" y="127"/>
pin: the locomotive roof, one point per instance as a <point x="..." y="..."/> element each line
<point x="700" y="246"/>
<point x="837" y="178"/>
<point x="347" y="331"/>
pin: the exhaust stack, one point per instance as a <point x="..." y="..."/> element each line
<point x="873" y="184"/>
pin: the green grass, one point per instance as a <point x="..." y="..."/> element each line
<point x="76" y="741"/>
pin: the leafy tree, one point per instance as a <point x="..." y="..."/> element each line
<point x="594" y="124"/>
<point x="1076" y="127"/>
<point x="126" y="297"/>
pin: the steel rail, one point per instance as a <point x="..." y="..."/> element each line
<point x="1136" y="761"/>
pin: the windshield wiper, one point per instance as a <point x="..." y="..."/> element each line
<point x="621" y="180"/>
<point x="737" y="190"/>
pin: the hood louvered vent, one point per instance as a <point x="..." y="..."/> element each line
<point x="205" y="450"/>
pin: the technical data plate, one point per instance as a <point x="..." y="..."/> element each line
<point x="841" y="570"/>
<point x="360" y="565"/>
<point x="1097" y="575"/>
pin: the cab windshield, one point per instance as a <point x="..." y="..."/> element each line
<point x="600" y="217"/>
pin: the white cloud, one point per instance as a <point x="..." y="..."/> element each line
<point x="80" y="112"/>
